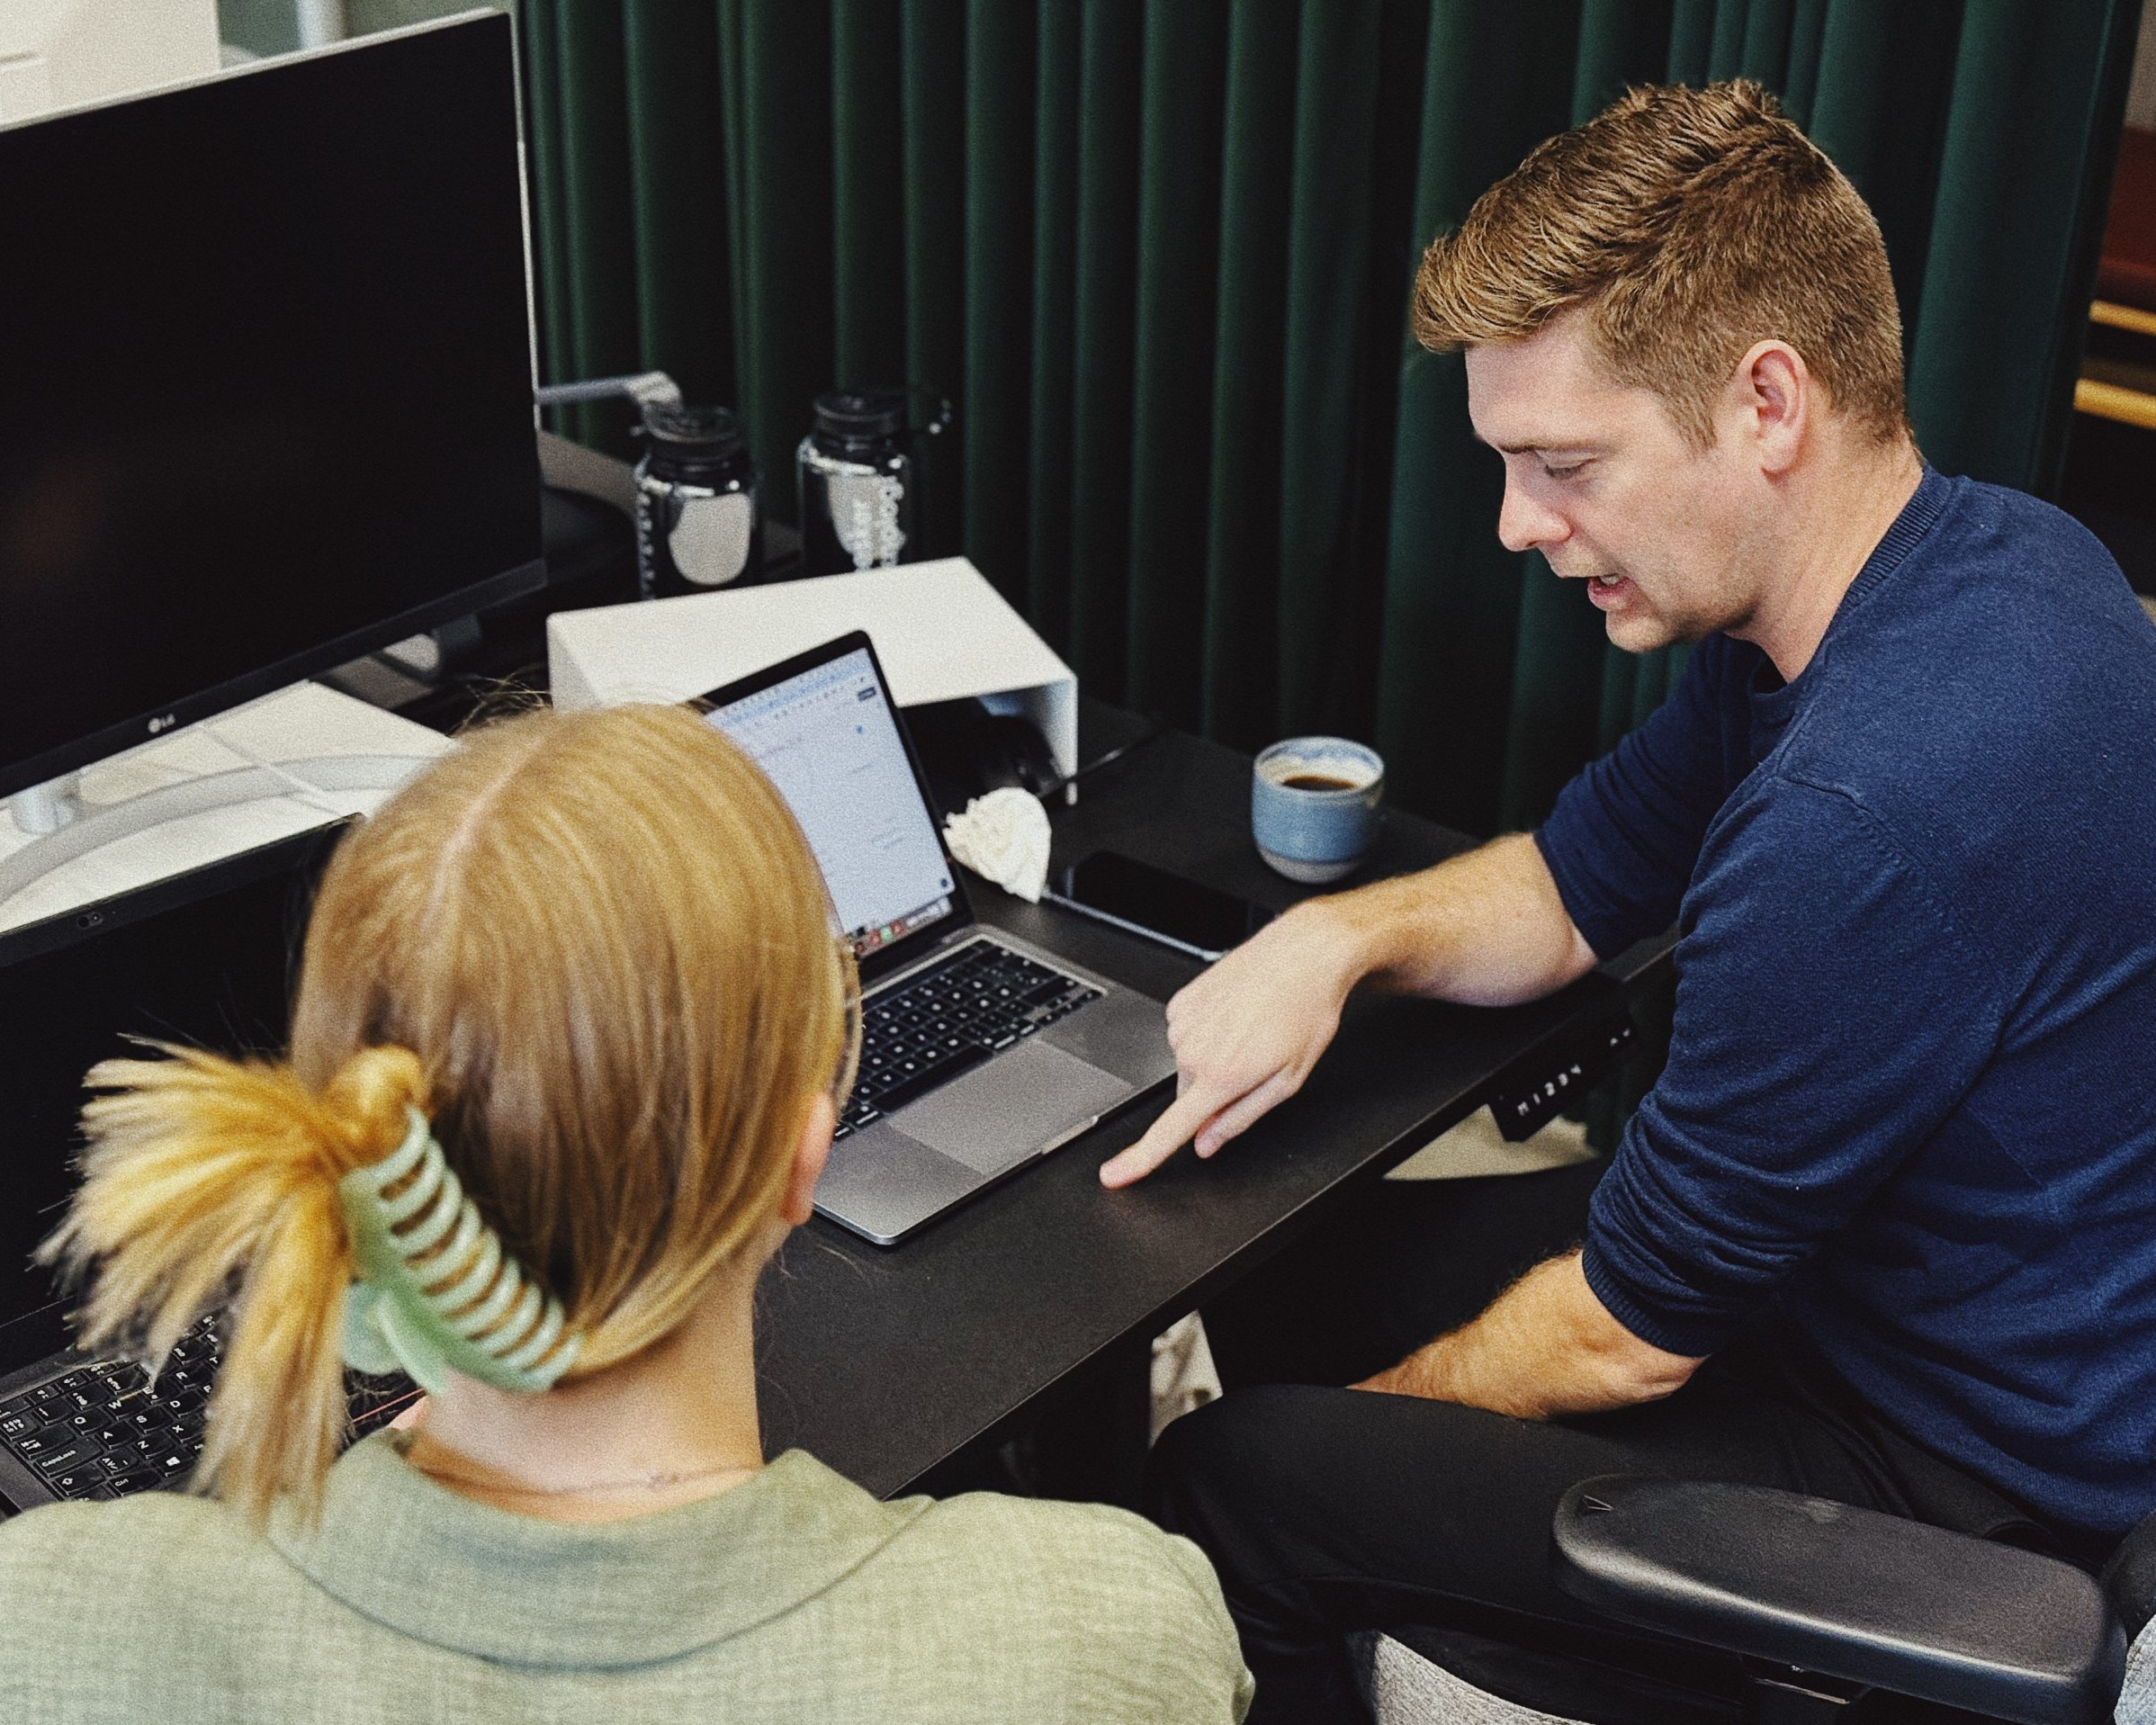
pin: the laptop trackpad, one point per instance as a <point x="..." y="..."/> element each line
<point x="1008" y="1108"/>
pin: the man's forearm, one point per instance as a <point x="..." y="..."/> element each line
<point x="1546" y="1346"/>
<point x="1485" y="928"/>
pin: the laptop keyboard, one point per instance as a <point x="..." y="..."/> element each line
<point x="953" y="1015"/>
<point x="103" y="1430"/>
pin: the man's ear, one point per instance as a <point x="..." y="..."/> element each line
<point x="809" y="1157"/>
<point x="1775" y="393"/>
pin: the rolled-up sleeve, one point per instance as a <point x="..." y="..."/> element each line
<point x="1625" y="834"/>
<point x="1829" y="1016"/>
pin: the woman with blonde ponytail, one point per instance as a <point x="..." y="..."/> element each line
<point x="568" y="1038"/>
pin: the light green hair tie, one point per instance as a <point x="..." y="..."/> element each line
<point x="436" y="1292"/>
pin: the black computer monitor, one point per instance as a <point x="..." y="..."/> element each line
<point x="266" y="401"/>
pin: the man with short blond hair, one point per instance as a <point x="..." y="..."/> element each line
<point x="1885" y="1228"/>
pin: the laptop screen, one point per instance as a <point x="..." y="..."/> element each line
<point x="828" y="740"/>
<point x="205" y="959"/>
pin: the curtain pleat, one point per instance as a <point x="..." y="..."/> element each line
<point x="553" y="238"/>
<point x="1103" y="341"/>
<point x="1055" y="317"/>
<point x="675" y="155"/>
<point x="1242" y="548"/>
<point x="1178" y="269"/>
<point x="868" y="197"/>
<point x="1451" y="624"/>
<point x="784" y="276"/>
<point x="1328" y="251"/>
<point x="934" y="76"/>
<point x="1156" y="253"/>
<point x="2013" y="184"/>
<point x="995" y="396"/>
<point x="596" y="274"/>
<point x="1694" y="25"/>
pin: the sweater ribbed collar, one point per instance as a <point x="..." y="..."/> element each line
<point x="409" y="1553"/>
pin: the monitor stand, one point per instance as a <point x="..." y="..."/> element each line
<point x="49" y="807"/>
<point x="310" y="756"/>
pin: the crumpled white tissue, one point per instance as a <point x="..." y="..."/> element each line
<point x="1003" y="836"/>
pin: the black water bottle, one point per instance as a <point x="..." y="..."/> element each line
<point x="699" y="520"/>
<point x="860" y="484"/>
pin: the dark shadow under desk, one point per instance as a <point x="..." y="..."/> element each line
<point x="892" y="1363"/>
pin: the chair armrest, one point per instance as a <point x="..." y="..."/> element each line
<point x="2130" y="1578"/>
<point x="1846" y="1593"/>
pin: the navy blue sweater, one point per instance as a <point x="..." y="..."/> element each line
<point x="1912" y="1096"/>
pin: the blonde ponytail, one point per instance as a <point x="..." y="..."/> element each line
<point x="211" y="1181"/>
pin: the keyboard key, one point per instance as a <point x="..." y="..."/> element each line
<point x="20" y="1424"/>
<point x="75" y="1481"/>
<point x="52" y="1461"/>
<point x="900" y="1094"/>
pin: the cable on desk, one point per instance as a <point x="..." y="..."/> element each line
<point x="1156" y="729"/>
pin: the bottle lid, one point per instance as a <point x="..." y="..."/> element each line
<point x="861" y="415"/>
<point x="693" y="434"/>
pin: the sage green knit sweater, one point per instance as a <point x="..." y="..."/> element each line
<point x="795" y="1596"/>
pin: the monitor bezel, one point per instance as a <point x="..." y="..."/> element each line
<point x="94" y="747"/>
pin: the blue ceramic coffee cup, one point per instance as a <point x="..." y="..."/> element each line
<point x="1314" y="807"/>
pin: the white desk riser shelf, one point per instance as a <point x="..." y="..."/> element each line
<point x="941" y="632"/>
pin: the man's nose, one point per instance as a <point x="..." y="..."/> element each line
<point x="1526" y="524"/>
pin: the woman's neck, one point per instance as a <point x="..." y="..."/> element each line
<point x="676" y="1424"/>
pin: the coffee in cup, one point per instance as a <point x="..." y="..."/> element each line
<point x="1314" y="807"/>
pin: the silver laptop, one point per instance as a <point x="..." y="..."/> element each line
<point x="979" y="1052"/>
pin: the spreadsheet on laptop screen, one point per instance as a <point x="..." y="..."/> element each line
<point x="828" y="740"/>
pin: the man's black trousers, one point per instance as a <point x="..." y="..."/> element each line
<point x="1327" y="1510"/>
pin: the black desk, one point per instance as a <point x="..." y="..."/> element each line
<point x="890" y="1363"/>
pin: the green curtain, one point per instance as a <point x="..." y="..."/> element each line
<point x="1157" y="254"/>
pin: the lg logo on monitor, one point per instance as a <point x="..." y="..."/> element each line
<point x="162" y="722"/>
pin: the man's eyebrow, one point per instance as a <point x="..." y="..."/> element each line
<point x="1535" y="448"/>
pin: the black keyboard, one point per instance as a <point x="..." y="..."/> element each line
<point x="103" y="1429"/>
<point x="955" y="1014"/>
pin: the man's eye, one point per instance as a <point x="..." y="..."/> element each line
<point x="1562" y="472"/>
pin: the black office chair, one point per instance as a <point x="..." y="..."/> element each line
<point x="1834" y="1613"/>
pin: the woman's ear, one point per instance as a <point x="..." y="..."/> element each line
<point x="809" y="1154"/>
